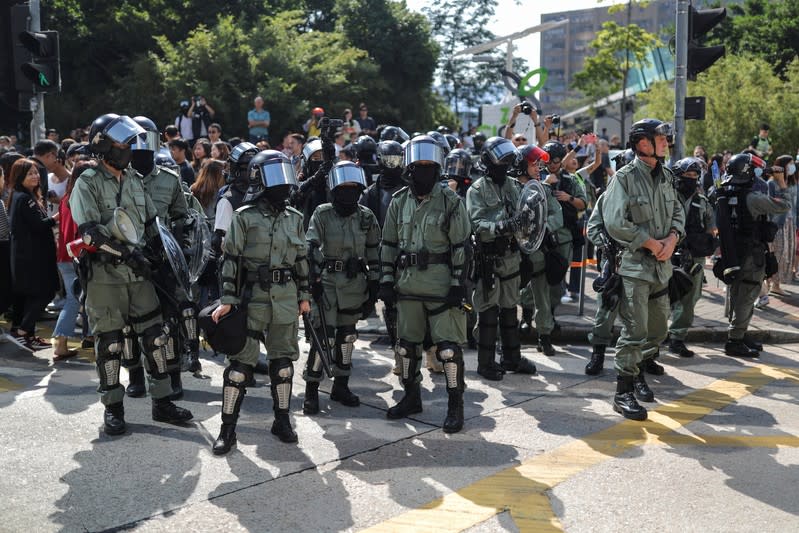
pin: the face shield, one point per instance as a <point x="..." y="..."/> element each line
<point x="346" y="172"/>
<point x="666" y="129"/>
<point x="391" y="160"/>
<point x="275" y="172"/>
<point x="123" y="130"/>
<point x="458" y="167"/>
<point x="310" y="149"/>
<point x="424" y="150"/>
<point x="240" y="149"/>
<point x="148" y="140"/>
<point x="503" y="153"/>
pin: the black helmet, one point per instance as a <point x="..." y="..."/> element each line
<point x="239" y="161"/>
<point x="346" y="172"/>
<point x="624" y="158"/>
<point x="555" y="150"/>
<point x="424" y="148"/>
<point x="151" y="141"/>
<point x="440" y="139"/>
<point x="164" y="159"/>
<point x="647" y="129"/>
<point x="269" y="169"/>
<point x="443" y="130"/>
<point x="458" y="165"/>
<point x="451" y="140"/>
<point x="742" y="170"/>
<point x="367" y="152"/>
<point x="499" y="151"/>
<point x="394" y="133"/>
<point x="389" y="154"/>
<point x="110" y="128"/>
<point x="478" y="140"/>
<point x="687" y="164"/>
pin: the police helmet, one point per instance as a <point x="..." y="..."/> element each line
<point x="389" y="154"/>
<point x="624" y="158"/>
<point x="499" y="151"/>
<point x="452" y="140"/>
<point x="529" y="154"/>
<point x="687" y="164"/>
<point x="742" y="169"/>
<point x="164" y="159"/>
<point x="440" y="139"/>
<point x="393" y="133"/>
<point x="367" y="151"/>
<point x="424" y="148"/>
<point x="556" y="150"/>
<point x="109" y="129"/>
<point x="648" y="128"/>
<point x="443" y="130"/>
<point x="151" y="140"/>
<point x="310" y="148"/>
<point x="269" y="169"/>
<point x="458" y="165"/>
<point x="346" y="172"/>
<point x="239" y="160"/>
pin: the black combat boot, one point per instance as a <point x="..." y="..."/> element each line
<point x="512" y="360"/>
<point x="114" y="419"/>
<point x="166" y="411"/>
<point x="650" y="366"/>
<point x="410" y="404"/>
<point x="641" y="388"/>
<point x="738" y="348"/>
<point x="281" y="427"/>
<point x="525" y="326"/>
<point x="310" y="406"/>
<point x="676" y="346"/>
<point x="177" y="385"/>
<point x="545" y="345"/>
<point x="136" y="387"/>
<point x="753" y="344"/>
<point x="597" y="362"/>
<point x="454" y="419"/>
<point x="624" y="401"/>
<point x="487" y="345"/>
<point x="341" y="392"/>
<point x="226" y="439"/>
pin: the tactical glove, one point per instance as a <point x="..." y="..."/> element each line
<point x="139" y="264"/>
<point x="515" y="223"/>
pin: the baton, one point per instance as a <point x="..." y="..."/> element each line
<point x="464" y="306"/>
<point x="323" y="353"/>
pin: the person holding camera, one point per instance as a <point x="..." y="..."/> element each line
<point x="691" y="253"/>
<point x="526" y="108"/>
<point x="196" y="114"/>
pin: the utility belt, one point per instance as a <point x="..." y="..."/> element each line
<point x="266" y="277"/>
<point x="500" y="246"/>
<point x="421" y="259"/>
<point x="352" y="266"/>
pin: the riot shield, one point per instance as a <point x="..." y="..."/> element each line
<point x="174" y="256"/>
<point x="532" y="200"/>
<point x="198" y="235"/>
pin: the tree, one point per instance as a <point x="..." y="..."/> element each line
<point x="617" y="50"/>
<point x="742" y="92"/>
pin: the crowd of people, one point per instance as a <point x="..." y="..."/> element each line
<point x="453" y="233"/>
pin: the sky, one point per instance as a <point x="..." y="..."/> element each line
<point x="516" y="15"/>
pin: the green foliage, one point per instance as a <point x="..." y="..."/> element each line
<point x="741" y="93"/>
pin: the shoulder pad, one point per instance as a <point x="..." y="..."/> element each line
<point x="244" y="208"/>
<point x="477" y="184"/>
<point x="402" y="190"/>
<point x="324" y="207"/>
<point x="293" y="210"/>
<point x="169" y="171"/>
<point x="449" y="192"/>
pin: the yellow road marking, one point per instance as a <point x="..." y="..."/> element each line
<point x="6" y="385"/>
<point x="522" y="489"/>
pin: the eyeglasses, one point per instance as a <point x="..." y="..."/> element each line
<point x="521" y="139"/>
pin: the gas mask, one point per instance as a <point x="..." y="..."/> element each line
<point x="424" y="178"/>
<point x="687" y="186"/>
<point x="119" y="158"/>
<point x="142" y="161"/>
<point x="498" y="174"/>
<point x="345" y="200"/>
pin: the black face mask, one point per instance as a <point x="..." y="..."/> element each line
<point x="119" y="158"/>
<point x="423" y="179"/>
<point x="313" y="166"/>
<point x="142" y="161"/>
<point x="687" y="186"/>
<point x="345" y="200"/>
<point x="277" y="196"/>
<point x="391" y="177"/>
<point x="498" y="174"/>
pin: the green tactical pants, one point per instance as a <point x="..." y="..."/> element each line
<point x="744" y="292"/>
<point x="110" y="307"/>
<point x="602" y="332"/>
<point x="506" y="285"/>
<point x="280" y="340"/>
<point x="645" y="322"/>
<point x="413" y="317"/>
<point x="682" y="312"/>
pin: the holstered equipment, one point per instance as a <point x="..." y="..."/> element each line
<point x="421" y="259"/>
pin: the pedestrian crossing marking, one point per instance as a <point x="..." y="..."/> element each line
<point x="522" y="489"/>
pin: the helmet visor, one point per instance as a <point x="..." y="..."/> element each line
<point x="503" y="153"/>
<point x="276" y="172"/>
<point x="424" y="151"/>
<point x="390" y="161"/>
<point x="310" y="149"/>
<point x="665" y="129"/>
<point x="123" y="130"/>
<point x="146" y="141"/>
<point x="347" y="173"/>
<point x="457" y="166"/>
<point x="240" y="149"/>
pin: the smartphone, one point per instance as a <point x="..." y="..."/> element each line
<point x="590" y="138"/>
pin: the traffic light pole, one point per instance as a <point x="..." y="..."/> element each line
<point x="680" y="77"/>
<point x="37" y="100"/>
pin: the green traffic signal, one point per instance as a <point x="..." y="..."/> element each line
<point x="43" y="69"/>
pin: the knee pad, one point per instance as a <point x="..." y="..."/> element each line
<point x="346" y="334"/>
<point x="451" y="355"/>
<point x="189" y="318"/>
<point x="408" y="349"/>
<point x="152" y="341"/>
<point x="237" y="374"/>
<point x="345" y="344"/>
<point x="411" y="360"/>
<point x="108" y="350"/>
<point x="235" y="377"/>
<point x="281" y="371"/>
<point x="131" y="352"/>
<point x="314" y="364"/>
<point x="448" y="352"/>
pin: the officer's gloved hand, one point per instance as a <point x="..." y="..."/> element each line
<point x="456" y="295"/>
<point x="139" y="264"/>
<point x="387" y="293"/>
<point x="515" y="223"/>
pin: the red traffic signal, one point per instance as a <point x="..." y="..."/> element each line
<point x="43" y="70"/>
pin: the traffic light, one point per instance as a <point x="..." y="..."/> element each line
<point x="43" y="70"/>
<point x="700" y="58"/>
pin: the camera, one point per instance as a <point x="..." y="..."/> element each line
<point x="527" y="108"/>
<point x="197" y="99"/>
<point x="555" y="119"/>
<point x="328" y="127"/>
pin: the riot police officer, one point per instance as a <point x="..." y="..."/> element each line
<point x="492" y="201"/>
<point x="377" y="198"/>
<point x="107" y="203"/>
<point x="692" y="251"/>
<point x="231" y="197"/>
<point x="164" y="188"/>
<point x="422" y="260"/>
<point x="265" y="270"/>
<point x="642" y="213"/>
<point x="744" y="233"/>
<point x="392" y="133"/>
<point x="343" y="239"/>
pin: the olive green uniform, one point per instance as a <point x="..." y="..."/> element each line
<point x="602" y="332"/>
<point x="115" y="295"/>
<point x="270" y="245"/>
<point x="641" y="203"/>
<point x="682" y="311"/>
<point x="344" y="251"/>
